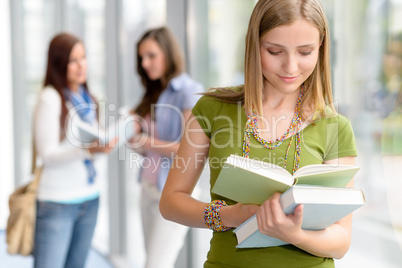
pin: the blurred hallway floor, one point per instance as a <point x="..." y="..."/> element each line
<point x="95" y="259"/>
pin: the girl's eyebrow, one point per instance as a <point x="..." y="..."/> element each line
<point x="281" y="46"/>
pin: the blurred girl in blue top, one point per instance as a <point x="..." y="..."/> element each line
<point x="170" y="94"/>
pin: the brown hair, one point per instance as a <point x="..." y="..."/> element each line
<point x="268" y="14"/>
<point x="174" y="61"/>
<point x="56" y="72"/>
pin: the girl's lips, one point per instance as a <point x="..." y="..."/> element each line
<point x="288" y="79"/>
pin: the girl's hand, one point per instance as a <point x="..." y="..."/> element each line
<point x="104" y="148"/>
<point x="235" y="215"/>
<point x="273" y="222"/>
<point x="140" y="143"/>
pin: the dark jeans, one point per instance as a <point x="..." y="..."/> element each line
<point x="64" y="233"/>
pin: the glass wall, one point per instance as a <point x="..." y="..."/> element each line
<point x="33" y="22"/>
<point x="6" y="109"/>
<point x="361" y="32"/>
<point x="216" y="30"/>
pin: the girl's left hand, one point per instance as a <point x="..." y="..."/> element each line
<point x="273" y="222"/>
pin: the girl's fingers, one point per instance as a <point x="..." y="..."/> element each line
<point x="298" y="215"/>
<point x="261" y="217"/>
<point x="276" y="209"/>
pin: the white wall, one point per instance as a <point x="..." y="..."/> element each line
<point x="6" y="133"/>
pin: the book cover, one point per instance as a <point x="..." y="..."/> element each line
<point x="323" y="206"/>
<point x="250" y="181"/>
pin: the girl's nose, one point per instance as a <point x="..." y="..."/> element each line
<point x="144" y="62"/>
<point x="290" y="65"/>
<point x="82" y="62"/>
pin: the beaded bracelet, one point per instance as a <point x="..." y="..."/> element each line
<point x="212" y="218"/>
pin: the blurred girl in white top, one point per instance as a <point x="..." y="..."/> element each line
<point x="68" y="194"/>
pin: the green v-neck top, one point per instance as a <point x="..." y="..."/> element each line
<point x="224" y="123"/>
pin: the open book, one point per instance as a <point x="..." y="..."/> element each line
<point x="251" y="181"/>
<point x="323" y="206"/>
<point x="123" y="128"/>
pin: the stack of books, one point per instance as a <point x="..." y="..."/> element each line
<point x="320" y="188"/>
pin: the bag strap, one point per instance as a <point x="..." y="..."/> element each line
<point x="35" y="170"/>
<point x="33" y="164"/>
<point x="33" y="186"/>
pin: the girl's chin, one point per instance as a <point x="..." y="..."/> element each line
<point x="83" y="80"/>
<point x="153" y="77"/>
<point x="286" y="87"/>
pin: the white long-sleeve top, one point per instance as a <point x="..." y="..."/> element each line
<point x="64" y="177"/>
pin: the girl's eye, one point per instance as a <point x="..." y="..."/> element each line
<point x="151" y="55"/>
<point x="76" y="60"/>
<point x="306" y="53"/>
<point x="274" y="53"/>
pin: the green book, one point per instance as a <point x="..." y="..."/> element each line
<point x="251" y="181"/>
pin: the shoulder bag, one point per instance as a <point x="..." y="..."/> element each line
<point x="21" y="221"/>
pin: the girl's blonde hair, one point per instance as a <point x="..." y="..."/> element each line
<point x="268" y="14"/>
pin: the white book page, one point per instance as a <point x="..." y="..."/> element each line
<point x="319" y="168"/>
<point x="262" y="168"/>
<point x="326" y="195"/>
<point x="88" y="133"/>
<point x="123" y="128"/>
